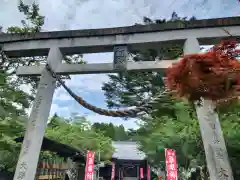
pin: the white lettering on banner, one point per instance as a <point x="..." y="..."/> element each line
<point x="89" y="176"/>
<point x="91" y="161"/>
<point x="90" y="168"/>
<point x="172" y="167"/>
<point x="170" y="160"/>
<point x="172" y="174"/>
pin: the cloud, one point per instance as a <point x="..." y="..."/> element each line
<point x="62" y="96"/>
<point x="90" y="82"/>
<point x="61" y="111"/>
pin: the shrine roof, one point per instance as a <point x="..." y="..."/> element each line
<point x="62" y="150"/>
<point x="127" y="150"/>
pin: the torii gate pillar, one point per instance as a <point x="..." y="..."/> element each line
<point x="37" y="123"/>
<point x="214" y="145"/>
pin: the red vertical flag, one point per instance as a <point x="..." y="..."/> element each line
<point x="148" y="173"/>
<point x="113" y="171"/>
<point x="141" y="173"/>
<point x="171" y="164"/>
<point x="89" y="170"/>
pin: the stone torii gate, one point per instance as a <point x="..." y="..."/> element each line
<point x="120" y="40"/>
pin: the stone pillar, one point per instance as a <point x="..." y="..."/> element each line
<point x="214" y="145"/>
<point x="37" y="123"/>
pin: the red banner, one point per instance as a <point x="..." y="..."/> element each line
<point x="171" y="164"/>
<point x="141" y="173"/>
<point x="89" y="170"/>
<point x="149" y="173"/>
<point x="113" y="171"/>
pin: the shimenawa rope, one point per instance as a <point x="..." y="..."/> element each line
<point x="118" y="113"/>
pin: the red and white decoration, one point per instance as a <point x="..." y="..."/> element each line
<point x="171" y="164"/>
<point x="89" y="170"/>
<point x="148" y="173"/>
<point x="141" y="173"/>
<point x="113" y="171"/>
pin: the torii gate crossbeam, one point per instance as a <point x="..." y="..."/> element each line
<point x="137" y="37"/>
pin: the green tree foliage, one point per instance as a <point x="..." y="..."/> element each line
<point x="183" y="135"/>
<point x="78" y="132"/>
<point x="173" y="124"/>
<point x="75" y="131"/>
<point x="32" y="23"/>
<point x="116" y="133"/>
<point x="9" y="149"/>
<point x="13" y="103"/>
<point x="134" y="88"/>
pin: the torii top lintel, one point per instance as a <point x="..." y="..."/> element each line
<point x="136" y="36"/>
